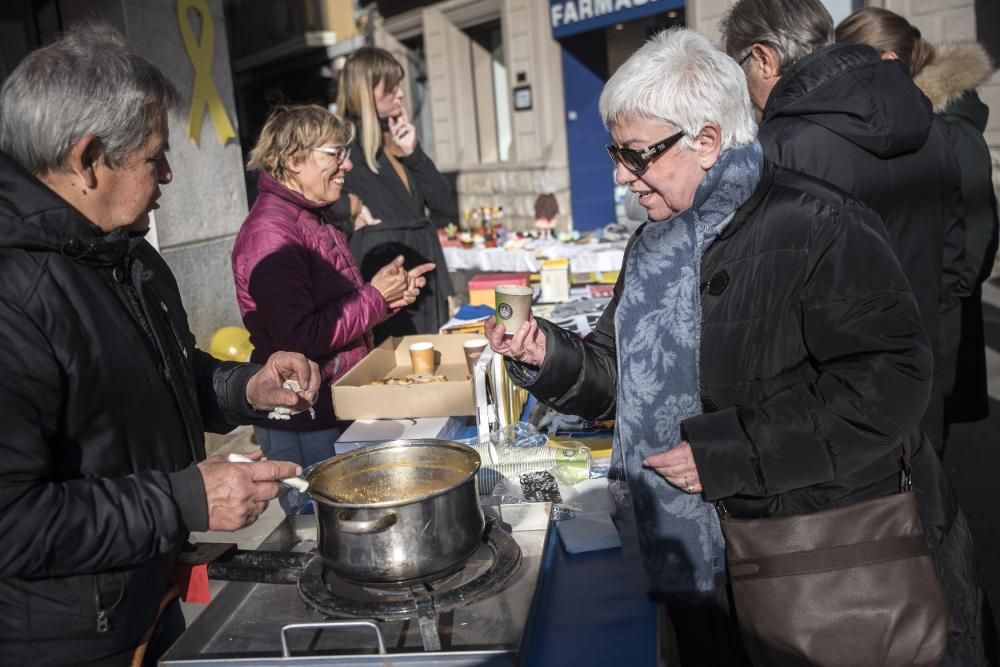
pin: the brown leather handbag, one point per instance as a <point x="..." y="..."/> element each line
<point x="841" y="587"/>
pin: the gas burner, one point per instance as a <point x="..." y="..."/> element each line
<point x="485" y="573"/>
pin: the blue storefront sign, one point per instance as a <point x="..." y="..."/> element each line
<point x="581" y="26"/>
<point x="569" y="17"/>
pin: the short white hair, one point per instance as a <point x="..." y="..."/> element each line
<point x="680" y="78"/>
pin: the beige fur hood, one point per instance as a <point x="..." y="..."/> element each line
<point x="956" y="68"/>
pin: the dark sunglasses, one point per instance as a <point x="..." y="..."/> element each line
<point x="637" y="161"/>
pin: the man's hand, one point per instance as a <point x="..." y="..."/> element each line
<point x="238" y="493"/>
<point x="677" y="467"/>
<point x="526" y="346"/>
<point x="265" y="390"/>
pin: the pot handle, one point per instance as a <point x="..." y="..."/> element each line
<point x="286" y="651"/>
<point x="370" y="526"/>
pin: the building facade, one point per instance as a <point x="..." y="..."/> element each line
<point x="485" y="90"/>
<point x="543" y="133"/>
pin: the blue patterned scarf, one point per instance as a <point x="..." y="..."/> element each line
<point x="658" y="331"/>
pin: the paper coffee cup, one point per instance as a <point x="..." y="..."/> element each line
<point x="473" y="350"/>
<point x="422" y="357"/>
<point x="513" y="306"/>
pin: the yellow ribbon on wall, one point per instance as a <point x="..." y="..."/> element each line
<point x="204" y="93"/>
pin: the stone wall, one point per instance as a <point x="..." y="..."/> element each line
<point x="463" y="144"/>
<point x="202" y="209"/>
<point x="705" y="15"/>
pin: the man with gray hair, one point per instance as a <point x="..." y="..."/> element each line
<point x="841" y="113"/>
<point x="104" y="398"/>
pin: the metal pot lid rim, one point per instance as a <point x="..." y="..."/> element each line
<point x="341" y="459"/>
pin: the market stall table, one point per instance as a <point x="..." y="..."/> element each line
<point x="583" y="257"/>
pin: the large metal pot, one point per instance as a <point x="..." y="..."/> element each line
<point x="401" y="511"/>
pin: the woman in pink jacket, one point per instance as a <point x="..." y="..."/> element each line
<point x="297" y="285"/>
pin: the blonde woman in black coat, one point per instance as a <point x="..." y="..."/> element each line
<point x="398" y="183"/>
<point x="949" y="75"/>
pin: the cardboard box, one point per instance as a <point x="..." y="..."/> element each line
<point x="355" y="397"/>
<point x="481" y="287"/>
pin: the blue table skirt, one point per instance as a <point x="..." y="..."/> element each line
<point x="592" y="608"/>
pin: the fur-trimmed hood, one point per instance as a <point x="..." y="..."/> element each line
<point x="956" y="68"/>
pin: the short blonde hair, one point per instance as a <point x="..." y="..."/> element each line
<point x="291" y="131"/>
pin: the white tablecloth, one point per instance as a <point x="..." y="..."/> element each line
<point x="583" y="258"/>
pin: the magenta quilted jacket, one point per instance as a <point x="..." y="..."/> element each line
<point x="299" y="289"/>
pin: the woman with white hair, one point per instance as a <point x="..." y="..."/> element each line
<point x="762" y="346"/>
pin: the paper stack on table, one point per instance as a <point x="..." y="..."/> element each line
<point x="592" y="528"/>
<point x="588" y="531"/>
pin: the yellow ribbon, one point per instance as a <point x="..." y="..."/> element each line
<point x="204" y="93"/>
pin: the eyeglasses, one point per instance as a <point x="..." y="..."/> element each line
<point x="339" y="153"/>
<point x="744" y="58"/>
<point x="637" y="161"/>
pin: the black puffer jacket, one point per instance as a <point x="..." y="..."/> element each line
<point x="950" y="82"/>
<point x="849" y="118"/>
<point x="104" y="401"/>
<point x="814" y="364"/>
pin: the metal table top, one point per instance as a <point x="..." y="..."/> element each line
<point x="244" y="624"/>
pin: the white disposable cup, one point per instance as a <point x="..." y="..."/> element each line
<point x="473" y="350"/>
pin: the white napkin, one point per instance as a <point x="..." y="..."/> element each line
<point x="590" y="495"/>
<point x="588" y="531"/>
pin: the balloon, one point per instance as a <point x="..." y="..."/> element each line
<point x="231" y="344"/>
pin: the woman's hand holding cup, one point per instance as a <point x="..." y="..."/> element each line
<point x="527" y="345"/>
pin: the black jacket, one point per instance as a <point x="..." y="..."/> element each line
<point x="813" y="363"/>
<point x="409" y="227"/>
<point x="104" y="401"/>
<point x="949" y="81"/>
<point x="849" y="118"/>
